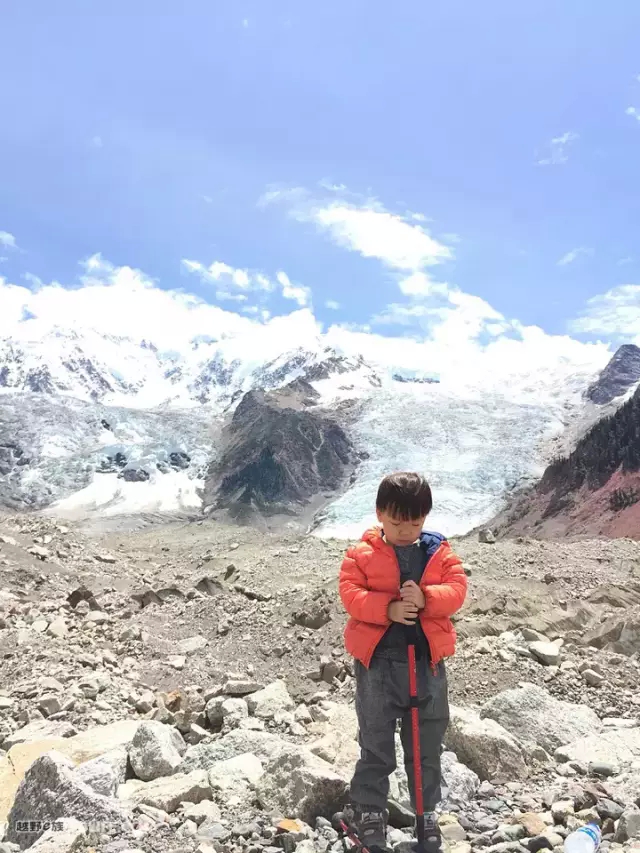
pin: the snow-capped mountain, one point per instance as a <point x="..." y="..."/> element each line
<point x="95" y="424"/>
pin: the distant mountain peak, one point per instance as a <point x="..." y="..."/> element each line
<point x="618" y="377"/>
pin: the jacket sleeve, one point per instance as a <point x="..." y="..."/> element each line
<point x="447" y="597"/>
<point x="363" y="604"/>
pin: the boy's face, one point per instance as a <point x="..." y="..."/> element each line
<point x="400" y="532"/>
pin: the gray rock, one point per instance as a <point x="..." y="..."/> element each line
<point x="460" y="783"/>
<point x="535" y="717"/>
<point x="619" y="747"/>
<point x="240" y="687"/>
<point x="104" y="773"/>
<point x="602" y="768"/>
<point x="453" y="832"/>
<point x="234" y="780"/>
<point x="237" y="742"/>
<point x="71" y="837"/>
<point x="234" y="711"/>
<point x="609" y="809"/>
<point x="192" y="644"/>
<point x="270" y="701"/>
<point x="39" y="730"/>
<point x="58" y="628"/>
<point x="628" y="827"/>
<point x="50" y="791"/>
<point x="167" y="793"/>
<point x="298" y="783"/>
<point x="593" y="678"/>
<point x="546" y="653"/>
<point x="485" y="746"/>
<point x="486" y="537"/>
<point x="199" y="812"/>
<point x="155" y="750"/>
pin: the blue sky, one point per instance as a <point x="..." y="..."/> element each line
<point x="259" y="135"/>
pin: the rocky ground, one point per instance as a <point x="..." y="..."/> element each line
<point x="191" y="682"/>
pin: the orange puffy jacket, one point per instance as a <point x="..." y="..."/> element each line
<point x="370" y="581"/>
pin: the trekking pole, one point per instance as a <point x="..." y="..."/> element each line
<point x="345" y="831"/>
<point x="415" y="736"/>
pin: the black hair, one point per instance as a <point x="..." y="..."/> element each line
<point x="405" y="495"/>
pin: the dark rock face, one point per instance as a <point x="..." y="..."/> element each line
<point x="215" y="374"/>
<point x="619" y="375"/>
<point x="134" y="475"/>
<point x="281" y="453"/>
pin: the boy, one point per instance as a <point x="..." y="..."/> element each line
<point x="398" y="576"/>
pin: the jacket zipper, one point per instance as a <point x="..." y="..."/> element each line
<point x="433" y="664"/>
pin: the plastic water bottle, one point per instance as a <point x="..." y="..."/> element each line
<point x="584" y="840"/>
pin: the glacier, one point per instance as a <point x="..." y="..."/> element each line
<point x="97" y="425"/>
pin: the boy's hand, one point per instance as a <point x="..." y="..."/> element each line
<point x="404" y="612"/>
<point x="410" y="591"/>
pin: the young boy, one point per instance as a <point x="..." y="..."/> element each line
<point x="398" y="576"/>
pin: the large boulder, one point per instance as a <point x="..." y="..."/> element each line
<point x="50" y="791"/>
<point x="620" y="747"/>
<point x="105" y="773"/>
<point x="63" y="839"/>
<point x="485" y="746"/>
<point x="298" y="784"/>
<point x="337" y="737"/>
<point x="17" y="761"/>
<point x="167" y="793"/>
<point x="536" y="718"/>
<point x="629" y="826"/>
<point x="100" y="739"/>
<point x="39" y="730"/>
<point x="273" y="699"/>
<point x="234" y="780"/>
<point x="620" y="635"/>
<point x="156" y="750"/>
<point x="237" y="742"/>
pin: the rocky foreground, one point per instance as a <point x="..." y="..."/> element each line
<point x="184" y="688"/>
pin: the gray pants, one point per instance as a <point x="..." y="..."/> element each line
<point x="382" y="698"/>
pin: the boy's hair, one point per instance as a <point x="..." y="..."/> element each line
<point x="404" y="495"/>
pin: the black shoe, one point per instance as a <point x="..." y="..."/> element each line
<point x="432" y="834"/>
<point x="369" y="824"/>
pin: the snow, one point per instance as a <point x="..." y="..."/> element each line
<point x="108" y="496"/>
<point x="484" y="428"/>
<point x="473" y="449"/>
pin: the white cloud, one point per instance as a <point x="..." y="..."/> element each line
<point x="245" y="23"/>
<point x="624" y="261"/>
<point x="613" y="315"/>
<point x="462" y="338"/>
<point x="573" y="255"/>
<point x="332" y="305"/>
<point x="375" y="233"/>
<point x="225" y="296"/>
<point x="219" y="272"/>
<point x="633" y="112"/>
<point x="8" y="241"/>
<point x="118" y="301"/>
<point x="238" y="283"/>
<point x="298" y="293"/>
<point x="420" y="284"/>
<point x="97" y="142"/>
<point x="557" y="154"/>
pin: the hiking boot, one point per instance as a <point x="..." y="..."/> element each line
<point x="370" y="825"/>
<point x="432" y="834"/>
